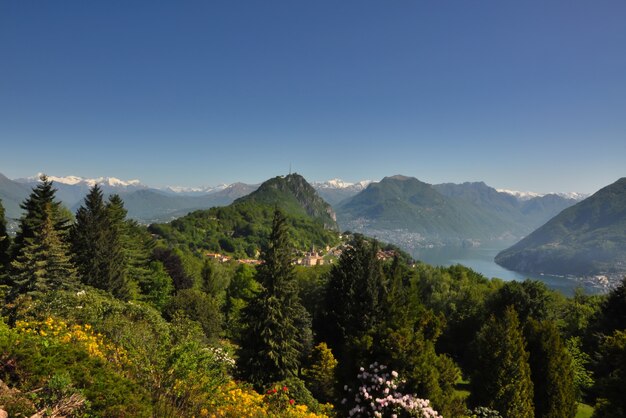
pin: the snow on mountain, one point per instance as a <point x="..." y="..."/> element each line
<point x="190" y="191"/>
<point x="531" y="195"/>
<point x="76" y="180"/>
<point x="341" y="184"/>
<point x="521" y="195"/>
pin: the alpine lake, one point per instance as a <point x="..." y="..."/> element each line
<point x="481" y="259"/>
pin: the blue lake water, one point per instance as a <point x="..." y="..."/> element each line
<point x="481" y="260"/>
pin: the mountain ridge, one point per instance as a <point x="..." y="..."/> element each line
<point x="587" y="238"/>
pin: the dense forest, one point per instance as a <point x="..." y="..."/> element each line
<point x="103" y="317"/>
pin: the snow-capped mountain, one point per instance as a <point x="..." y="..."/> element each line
<point x="335" y="190"/>
<point x="531" y="195"/>
<point x="340" y="184"/>
<point x="79" y="181"/>
<point x="194" y="191"/>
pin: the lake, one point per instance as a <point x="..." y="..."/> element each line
<point x="481" y="260"/>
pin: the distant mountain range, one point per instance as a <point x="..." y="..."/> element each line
<point x="413" y="214"/>
<point x="588" y="238"/>
<point x="143" y="203"/>
<point x="397" y="209"/>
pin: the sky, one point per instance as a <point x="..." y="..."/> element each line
<point x="525" y="95"/>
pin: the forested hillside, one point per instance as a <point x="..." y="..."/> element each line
<point x="103" y="318"/>
<point x="585" y="239"/>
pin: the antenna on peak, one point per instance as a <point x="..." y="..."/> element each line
<point x="289" y="168"/>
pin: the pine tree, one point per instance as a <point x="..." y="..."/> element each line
<point x="5" y="244"/>
<point x="551" y="371"/>
<point x="271" y="347"/>
<point x="97" y="246"/>
<point x="353" y="296"/>
<point x="43" y="263"/>
<point x="41" y="197"/>
<point x="502" y="379"/>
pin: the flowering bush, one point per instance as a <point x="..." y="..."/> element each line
<point x="55" y="331"/>
<point x="236" y="401"/>
<point x="378" y="396"/>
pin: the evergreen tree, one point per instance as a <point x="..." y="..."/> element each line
<point x="611" y="373"/>
<point x="271" y="347"/>
<point x="502" y="381"/>
<point x="5" y="244"/>
<point x="353" y="298"/>
<point x="612" y="315"/>
<point x="551" y="371"/>
<point x="43" y="263"/>
<point x="41" y="197"/>
<point x="97" y="246"/>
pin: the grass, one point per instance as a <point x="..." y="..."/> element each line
<point x="584" y="411"/>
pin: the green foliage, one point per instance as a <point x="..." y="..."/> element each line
<point x="352" y="306"/>
<point x="38" y="362"/>
<point x="552" y="372"/>
<point x="98" y="248"/>
<point x="197" y="306"/>
<point x="270" y="349"/>
<point x="530" y="298"/>
<point x="611" y="377"/>
<point x="583" y="378"/>
<point x="43" y="262"/>
<point x="156" y="288"/>
<point x="613" y="311"/>
<point x="320" y="374"/>
<point x="172" y="261"/>
<point x="241" y="290"/>
<point x="41" y="199"/>
<point x="243" y="228"/>
<point x="502" y="380"/>
<point x="5" y="244"/>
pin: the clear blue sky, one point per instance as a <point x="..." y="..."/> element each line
<point x="527" y="95"/>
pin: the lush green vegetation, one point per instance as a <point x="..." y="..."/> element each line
<point x="242" y="229"/>
<point x="103" y="319"/>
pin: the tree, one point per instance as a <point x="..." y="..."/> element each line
<point x="270" y="348"/>
<point x="5" y="244"/>
<point x="41" y="199"/>
<point x="320" y="375"/>
<point x="551" y="371"/>
<point x="353" y="298"/>
<point x="97" y="247"/>
<point x="43" y="263"/>
<point x="613" y="311"/>
<point x="502" y="381"/>
<point x="612" y="377"/>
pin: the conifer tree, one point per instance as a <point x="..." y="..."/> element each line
<point x="42" y="196"/>
<point x="5" y="244"/>
<point x="43" y="263"/>
<point x="502" y="379"/>
<point x="353" y="297"/>
<point x="271" y="347"/>
<point x="551" y="371"/>
<point x="97" y="246"/>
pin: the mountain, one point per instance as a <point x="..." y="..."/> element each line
<point x="336" y="190"/>
<point x="585" y="239"/>
<point x="12" y="194"/>
<point x="294" y="195"/>
<point x="242" y="228"/>
<point x="411" y="213"/>
<point x="512" y="215"/>
<point x="152" y="205"/>
<point x="143" y="203"/>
